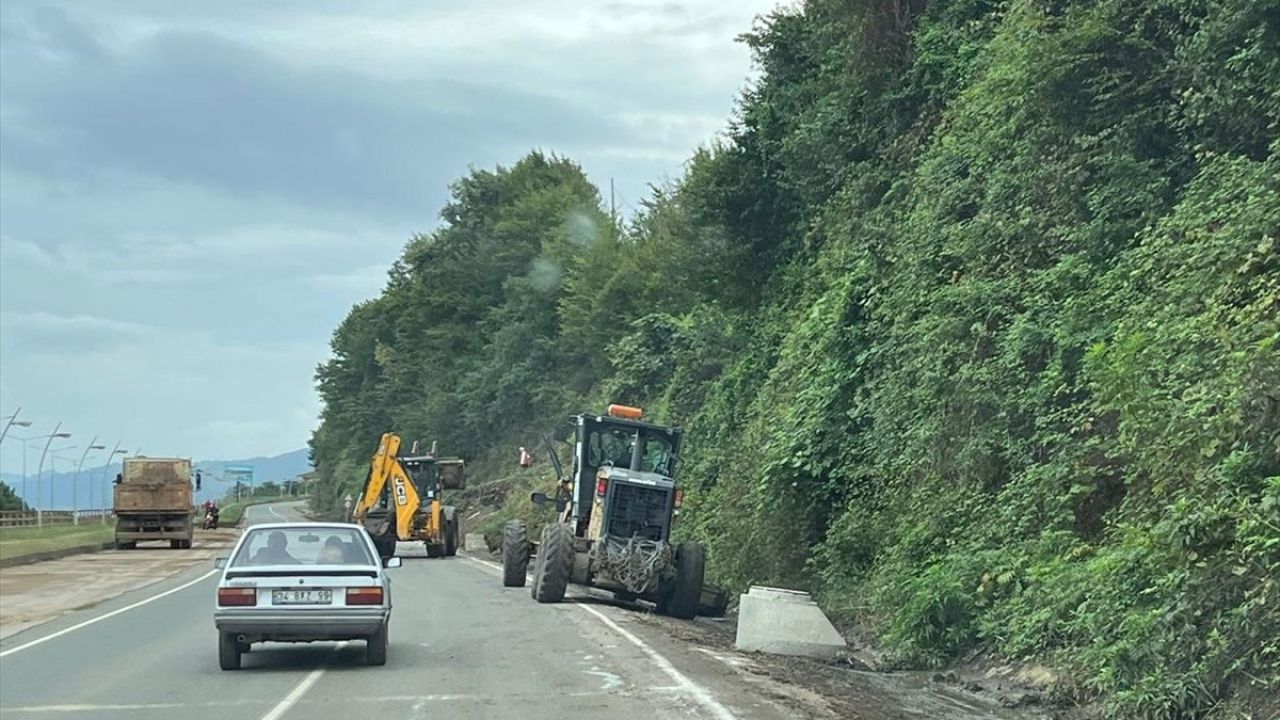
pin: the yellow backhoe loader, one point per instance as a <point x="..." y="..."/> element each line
<point x="403" y="499"/>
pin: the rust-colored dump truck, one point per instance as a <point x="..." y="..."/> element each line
<point x="153" y="502"/>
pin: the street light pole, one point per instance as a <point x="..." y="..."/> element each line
<point x="75" y="484"/>
<point x="40" y="468"/>
<point x="105" y="470"/>
<point x="13" y="420"/>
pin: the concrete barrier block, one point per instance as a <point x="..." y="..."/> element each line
<point x="474" y="542"/>
<point x="785" y="622"/>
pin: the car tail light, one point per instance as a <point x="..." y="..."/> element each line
<point x="601" y="485"/>
<point x="237" y="596"/>
<point x="679" y="497"/>
<point x="364" y="596"/>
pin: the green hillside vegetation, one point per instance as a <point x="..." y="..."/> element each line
<point x="971" y="319"/>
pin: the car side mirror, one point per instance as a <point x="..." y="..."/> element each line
<point x="220" y="562"/>
<point x="392" y="562"/>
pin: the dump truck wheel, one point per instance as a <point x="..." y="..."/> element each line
<point x="228" y="651"/>
<point x="375" y="648"/>
<point x="515" y="553"/>
<point x="555" y="562"/>
<point x="123" y="545"/>
<point x="686" y="591"/>
<point x="175" y="544"/>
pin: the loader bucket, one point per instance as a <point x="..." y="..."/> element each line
<point x="453" y="474"/>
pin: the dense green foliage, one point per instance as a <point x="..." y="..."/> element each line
<point x="9" y="500"/>
<point x="972" y="322"/>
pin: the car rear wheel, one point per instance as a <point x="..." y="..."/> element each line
<point x="228" y="651"/>
<point x="375" y="649"/>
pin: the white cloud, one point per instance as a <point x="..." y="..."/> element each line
<point x="192" y="195"/>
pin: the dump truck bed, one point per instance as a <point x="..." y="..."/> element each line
<point x="154" y="502"/>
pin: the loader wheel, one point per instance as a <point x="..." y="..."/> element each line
<point x="515" y="553"/>
<point x="555" y="562"/>
<point x="386" y="546"/>
<point x="434" y="550"/>
<point x="450" y="532"/>
<point x="686" y="591"/>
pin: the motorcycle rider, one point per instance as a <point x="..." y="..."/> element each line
<point x="210" y="514"/>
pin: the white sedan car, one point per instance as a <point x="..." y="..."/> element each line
<point x="302" y="582"/>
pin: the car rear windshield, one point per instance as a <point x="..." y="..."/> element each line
<point x="303" y="546"/>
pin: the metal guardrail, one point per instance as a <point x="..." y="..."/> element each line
<point x="42" y="518"/>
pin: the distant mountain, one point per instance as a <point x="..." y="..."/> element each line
<point x="97" y="480"/>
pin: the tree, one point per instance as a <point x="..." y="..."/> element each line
<point x="9" y="500"/>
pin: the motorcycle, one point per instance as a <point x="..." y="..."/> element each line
<point x="211" y="520"/>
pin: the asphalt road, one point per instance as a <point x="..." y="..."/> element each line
<point x="462" y="647"/>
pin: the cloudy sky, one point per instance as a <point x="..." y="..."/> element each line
<point x="192" y="194"/>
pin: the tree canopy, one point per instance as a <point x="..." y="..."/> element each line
<point x="971" y="320"/>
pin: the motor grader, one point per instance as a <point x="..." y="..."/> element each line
<point x="403" y="499"/>
<point x="613" y="525"/>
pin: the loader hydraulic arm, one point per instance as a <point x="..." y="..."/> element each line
<point x="376" y="480"/>
<point x="386" y="468"/>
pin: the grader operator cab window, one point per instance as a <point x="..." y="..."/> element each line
<point x="615" y="446"/>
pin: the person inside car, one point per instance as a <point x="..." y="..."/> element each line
<point x="333" y="553"/>
<point x="276" y="552"/>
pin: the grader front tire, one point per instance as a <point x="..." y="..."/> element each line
<point x="515" y="553"/>
<point x="555" y="562"/>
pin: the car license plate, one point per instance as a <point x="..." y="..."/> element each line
<point x="311" y="596"/>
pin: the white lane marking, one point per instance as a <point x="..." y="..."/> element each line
<point x="700" y="694"/>
<point x="100" y="618"/>
<point x="272" y="509"/>
<point x="296" y="694"/>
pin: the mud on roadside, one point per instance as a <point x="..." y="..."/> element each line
<point x="851" y="689"/>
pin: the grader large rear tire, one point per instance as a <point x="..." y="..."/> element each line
<point x="515" y="553"/>
<point x="555" y="562"/>
<point x="686" y="590"/>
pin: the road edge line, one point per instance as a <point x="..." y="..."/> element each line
<point x="113" y="613"/>
<point x="700" y="694"/>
